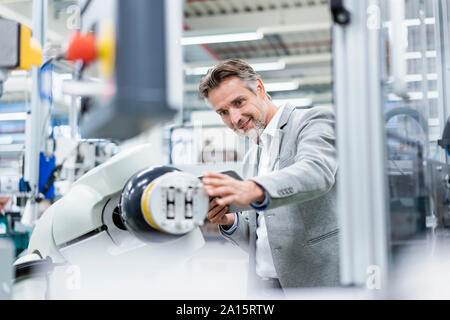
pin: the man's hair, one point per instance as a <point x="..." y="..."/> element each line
<point x="226" y="69"/>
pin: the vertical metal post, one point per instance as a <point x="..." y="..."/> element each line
<point x="424" y="67"/>
<point x="33" y="141"/>
<point x="73" y="118"/>
<point x="441" y="15"/>
<point x="361" y="147"/>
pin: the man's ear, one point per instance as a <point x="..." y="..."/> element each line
<point x="260" y="88"/>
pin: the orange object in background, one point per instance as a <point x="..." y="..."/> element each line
<point x="82" y="47"/>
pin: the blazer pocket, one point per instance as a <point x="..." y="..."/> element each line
<point x="322" y="237"/>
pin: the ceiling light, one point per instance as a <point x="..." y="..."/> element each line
<point x="15" y="116"/>
<point x="296" y="28"/>
<point x="197" y="71"/>
<point x="220" y="38"/>
<point x="257" y="66"/>
<point x="268" y="66"/>
<point x="299" y="102"/>
<point x="281" y="86"/>
<point x="308" y="58"/>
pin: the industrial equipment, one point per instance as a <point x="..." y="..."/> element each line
<point x="133" y="51"/>
<point x="18" y="50"/>
<point x="122" y="222"/>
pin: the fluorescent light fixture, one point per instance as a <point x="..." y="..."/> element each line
<point x="15" y="116"/>
<point x="305" y="27"/>
<point x="269" y="86"/>
<point x="297" y="102"/>
<point x="268" y="66"/>
<point x="281" y="86"/>
<point x="257" y="66"/>
<point x="197" y="71"/>
<point x="418" y="55"/>
<point x="308" y="58"/>
<point x="220" y="38"/>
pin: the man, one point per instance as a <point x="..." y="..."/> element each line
<point x="292" y="235"/>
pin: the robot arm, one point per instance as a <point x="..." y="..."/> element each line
<point x="125" y="210"/>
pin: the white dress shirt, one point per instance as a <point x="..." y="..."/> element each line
<point x="268" y="160"/>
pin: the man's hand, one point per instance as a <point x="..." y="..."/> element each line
<point x="218" y="214"/>
<point x="230" y="190"/>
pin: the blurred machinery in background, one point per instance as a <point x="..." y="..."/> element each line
<point x="394" y="172"/>
<point x="77" y="157"/>
<point x="133" y="50"/>
<point x="120" y="214"/>
<point x="18" y="50"/>
<point x="127" y="75"/>
<point x="124" y="225"/>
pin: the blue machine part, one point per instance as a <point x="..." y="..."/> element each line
<point x="46" y="167"/>
<point x="24" y="186"/>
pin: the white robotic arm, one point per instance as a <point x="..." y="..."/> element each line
<point x="123" y="215"/>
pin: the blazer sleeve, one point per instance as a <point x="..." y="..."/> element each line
<point x="313" y="172"/>
<point x="240" y="237"/>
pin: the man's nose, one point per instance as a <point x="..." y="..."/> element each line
<point x="235" y="116"/>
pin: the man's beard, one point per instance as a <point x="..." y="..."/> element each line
<point x="252" y="133"/>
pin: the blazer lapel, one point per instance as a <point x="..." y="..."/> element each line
<point x="287" y="111"/>
<point x="279" y="135"/>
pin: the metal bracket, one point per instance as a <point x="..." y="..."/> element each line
<point x="340" y="14"/>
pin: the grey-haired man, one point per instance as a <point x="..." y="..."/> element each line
<point x="292" y="235"/>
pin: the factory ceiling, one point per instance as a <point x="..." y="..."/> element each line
<point x="294" y="33"/>
<point x="292" y="46"/>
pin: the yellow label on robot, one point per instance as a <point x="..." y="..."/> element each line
<point x="146" y="210"/>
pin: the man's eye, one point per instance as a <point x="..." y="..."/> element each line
<point x="239" y="102"/>
<point x="222" y="113"/>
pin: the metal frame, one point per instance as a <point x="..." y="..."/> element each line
<point x="441" y="13"/>
<point x="362" y="185"/>
<point x="35" y="121"/>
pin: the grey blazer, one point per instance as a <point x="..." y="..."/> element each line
<point x="301" y="217"/>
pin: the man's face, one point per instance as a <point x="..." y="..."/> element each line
<point x="242" y="110"/>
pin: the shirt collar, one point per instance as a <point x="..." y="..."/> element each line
<point x="272" y="126"/>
